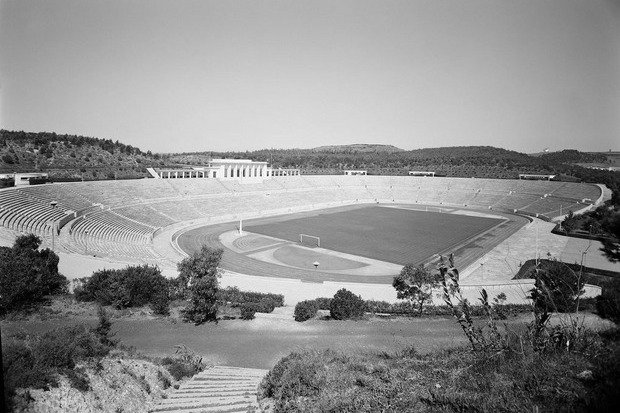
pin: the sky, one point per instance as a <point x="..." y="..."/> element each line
<point x="200" y="75"/>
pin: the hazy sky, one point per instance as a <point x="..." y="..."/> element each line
<point x="182" y="75"/>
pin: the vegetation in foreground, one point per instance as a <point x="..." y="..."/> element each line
<point x="74" y="366"/>
<point x="455" y="380"/>
<point x="540" y="367"/>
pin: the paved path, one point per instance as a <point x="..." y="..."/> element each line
<point x="217" y="389"/>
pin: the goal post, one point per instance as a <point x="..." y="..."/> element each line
<point x="309" y="239"/>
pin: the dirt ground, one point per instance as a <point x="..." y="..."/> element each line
<point x="260" y="343"/>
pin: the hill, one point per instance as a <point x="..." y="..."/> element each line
<point x="72" y="157"/>
<point x="358" y="148"/>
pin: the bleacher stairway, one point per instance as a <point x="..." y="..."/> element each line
<point x="219" y="389"/>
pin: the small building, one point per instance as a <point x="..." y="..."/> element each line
<point x="24" y="178"/>
<point x="355" y="172"/>
<point x="537" y="177"/>
<point x="421" y="173"/>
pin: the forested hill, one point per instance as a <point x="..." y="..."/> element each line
<point x="466" y="161"/>
<point x="72" y="156"/>
<point x="79" y="157"/>
<point x="357" y="148"/>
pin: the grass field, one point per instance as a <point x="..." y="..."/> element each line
<point x="394" y="235"/>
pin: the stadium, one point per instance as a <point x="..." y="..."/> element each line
<point x="306" y="236"/>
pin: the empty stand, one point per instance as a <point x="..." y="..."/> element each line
<point x="119" y="218"/>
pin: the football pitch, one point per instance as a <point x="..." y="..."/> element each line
<point x="399" y="236"/>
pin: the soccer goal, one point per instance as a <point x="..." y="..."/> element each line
<point x="309" y="240"/>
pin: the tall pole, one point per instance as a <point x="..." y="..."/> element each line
<point x="536" y="245"/>
<point x="53" y="205"/>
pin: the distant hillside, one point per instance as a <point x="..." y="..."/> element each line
<point x="358" y="148"/>
<point x="72" y="156"/>
<point x="572" y="156"/>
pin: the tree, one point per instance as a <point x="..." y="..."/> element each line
<point x="28" y="275"/>
<point x="608" y="303"/>
<point x="415" y="283"/>
<point x="569" y="224"/>
<point x="198" y="275"/>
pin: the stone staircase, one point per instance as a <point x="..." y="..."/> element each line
<point x="218" y="389"/>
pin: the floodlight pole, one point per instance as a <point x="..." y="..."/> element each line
<point x="536" y="245"/>
<point x="240" y="226"/>
<point x="53" y="205"/>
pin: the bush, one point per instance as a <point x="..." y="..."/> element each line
<point x="556" y="287"/>
<point x="185" y="364"/>
<point x="305" y="310"/>
<point x="160" y="303"/>
<point x="27" y="275"/>
<point x="133" y="286"/>
<point x="345" y="305"/>
<point x="248" y="310"/>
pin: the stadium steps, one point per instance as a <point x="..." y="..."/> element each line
<point x="217" y="389"/>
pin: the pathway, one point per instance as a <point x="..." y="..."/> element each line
<point x="218" y="389"/>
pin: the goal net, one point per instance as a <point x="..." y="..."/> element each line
<point x="309" y="240"/>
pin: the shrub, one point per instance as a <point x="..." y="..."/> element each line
<point x="185" y="364"/>
<point x="248" y="310"/>
<point x="133" y="286"/>
<point x="305" y="310"/>
<point x="556" y="287"/>
<point x="236" y="297"/>
<point x="104" y="329"/>
<point x="28" y="275"/>
<point x="345" y="305"/>
<point x="160" y="303"/>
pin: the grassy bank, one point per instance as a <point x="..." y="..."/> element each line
<point x="448" y="380"/>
